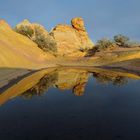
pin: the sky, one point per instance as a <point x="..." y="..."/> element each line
<point x="103" y="18"/>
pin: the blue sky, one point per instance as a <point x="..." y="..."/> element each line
<point x="103" y="18"/>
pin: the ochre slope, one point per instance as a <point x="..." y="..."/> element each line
<point x="17" y="51"/>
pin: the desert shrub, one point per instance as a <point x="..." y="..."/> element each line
<point x="92" y="51"/>
<point x="45" y="42"/>
<point x="101" y="45"/>
<point x="115" y="43"/>
<point x="39" y="35"/>
<point x="104" y="44"/>
<point x="25" y="30"/>
<point x="121" y="40"/>
<point x="42" y="86"/>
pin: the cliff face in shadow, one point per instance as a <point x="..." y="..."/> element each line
<point x="74" y="79"/>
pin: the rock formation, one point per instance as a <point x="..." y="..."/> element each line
<point x="68" y="40"/>
<point x="72" y="40"/>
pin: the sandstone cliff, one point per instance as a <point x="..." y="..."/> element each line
<point x="67" y="40"/>
<point x="72" y="40"/>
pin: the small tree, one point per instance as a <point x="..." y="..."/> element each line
<point x="121" y="40"/>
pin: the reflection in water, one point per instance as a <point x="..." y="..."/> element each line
<point x="59" y="114"/>
<point x="63" y="78"/>
<point x="74" y="79"/>
<point x="107" y="79"/>
<point x="42" y="86"/>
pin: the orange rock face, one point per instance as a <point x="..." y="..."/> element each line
<point x="72" y="40"/>
<point x="78" y="24"/>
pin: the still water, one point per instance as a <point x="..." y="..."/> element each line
<point x="71" y="104"/>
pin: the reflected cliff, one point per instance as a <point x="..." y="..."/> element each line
<point x="37" y="83"/>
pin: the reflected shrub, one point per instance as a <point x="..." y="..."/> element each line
<point x="120" y="81"/>
<point x="42" y="87"/>
<point x="107" y="79"/>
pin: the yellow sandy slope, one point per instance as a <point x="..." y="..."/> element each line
<point x="17" y="51"/>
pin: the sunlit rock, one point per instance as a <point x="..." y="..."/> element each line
<point x="72" y="40"/>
